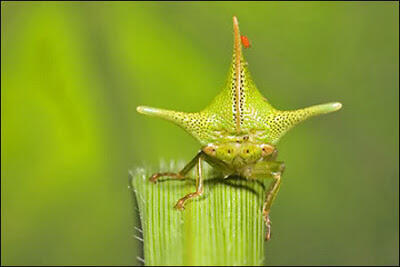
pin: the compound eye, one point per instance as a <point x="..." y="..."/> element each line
<point x="210" y="150"/>
<point x="267" y="150"/>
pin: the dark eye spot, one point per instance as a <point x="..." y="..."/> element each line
<point x="247" y="151"/>
<point x="229" y="151"/>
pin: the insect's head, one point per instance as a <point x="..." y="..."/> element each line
<point x="250" y="152"/>
<point x="239" y="152"/>
<point x="225" y="152"/>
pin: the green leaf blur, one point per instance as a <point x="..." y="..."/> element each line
<point x="74" y="72"/>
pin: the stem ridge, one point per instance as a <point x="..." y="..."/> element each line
<point x="222" y="227"/>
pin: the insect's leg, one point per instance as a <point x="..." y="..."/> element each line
<point x="199" y="186"/>
<point x="266" y="169"/>
<point x="276" y="171"/>
<point x="179" y="175"/>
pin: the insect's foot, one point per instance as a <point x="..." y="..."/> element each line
<point x="157" y="175"/>
<point x="154" y="177"/>
<point x="268" y="226"/>
<point x="180" y="204"/>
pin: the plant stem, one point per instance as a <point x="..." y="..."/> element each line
<point x="222" y="227"/>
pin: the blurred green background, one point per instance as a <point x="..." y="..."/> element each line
<point x="73" y="73"/>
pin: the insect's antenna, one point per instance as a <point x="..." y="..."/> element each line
<point x="283" y="121"/>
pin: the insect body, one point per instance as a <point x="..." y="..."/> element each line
<point x="245" y="41"/>
<point x="238" y="131"/>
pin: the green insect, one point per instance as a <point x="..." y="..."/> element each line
<point x="238" y="131"/>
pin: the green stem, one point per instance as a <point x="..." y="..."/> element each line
<point x="222" y="227"/>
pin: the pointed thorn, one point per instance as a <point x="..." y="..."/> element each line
<point x="151" y="111"/>
<point x="139" y="109"/>
<point x="237" y="39"/>
<point x="337" y="105"/>
<point x="235" y="21"/>
<point x="142" y="109"/>
<point x="329" y="107"/>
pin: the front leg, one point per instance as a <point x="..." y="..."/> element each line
<point x="199" y="186"/>
<point x="267" y="169"/>
<point x="179" y="175"/>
